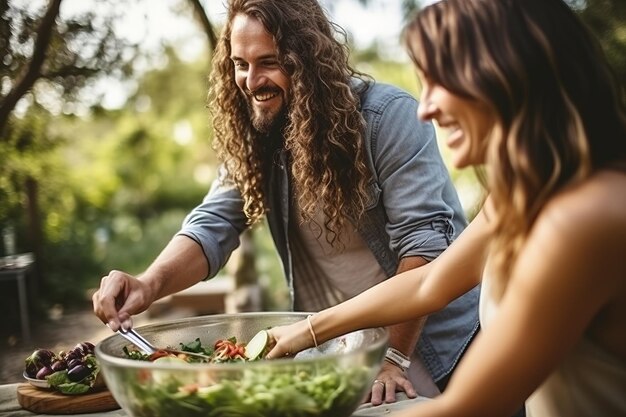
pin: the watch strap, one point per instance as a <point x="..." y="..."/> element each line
<point x="397" y="358"/>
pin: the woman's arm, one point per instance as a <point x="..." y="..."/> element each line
<point x="420" y="292"/>
<point x="554" y="294"/>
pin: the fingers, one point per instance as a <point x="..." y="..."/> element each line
<point x="400" y="380"/>
<point x="403" y="384"/>
<point x="390" y="391"/>
<point x="126" y="321"/>
<point x="378" y="391"/>
<point x="276" y="350"/>
<point x="109" y="302"/>
<point x="383" y="391"/>
<point x="389" y="381"/>
<point x="288" y="340"/>
<point x="271" y="345"/>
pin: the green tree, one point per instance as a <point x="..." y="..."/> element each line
<point x="46" y="55"/>
<point x="45" y="62"/>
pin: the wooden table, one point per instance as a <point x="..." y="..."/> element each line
<point x="11" y="408"/>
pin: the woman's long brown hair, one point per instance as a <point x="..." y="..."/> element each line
<point x="560" y="114"/>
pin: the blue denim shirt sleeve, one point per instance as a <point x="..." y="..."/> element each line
<point x="217" y="222"/>
<point x="416" y="191"/>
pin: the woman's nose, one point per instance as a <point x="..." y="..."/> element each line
<point x="426" y="110"/>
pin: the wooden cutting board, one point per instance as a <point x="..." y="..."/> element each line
<point x="45" y="401"/>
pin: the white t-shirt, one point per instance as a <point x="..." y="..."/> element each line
<point x="323" y="275"/>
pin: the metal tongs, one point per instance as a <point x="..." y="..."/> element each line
<point x="148" y="348"/>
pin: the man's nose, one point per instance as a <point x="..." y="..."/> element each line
<point x="255" y="79"/>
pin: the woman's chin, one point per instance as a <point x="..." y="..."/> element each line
<point x="459" y="162"/>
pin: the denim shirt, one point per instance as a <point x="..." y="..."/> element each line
<point x="412" y="210"/>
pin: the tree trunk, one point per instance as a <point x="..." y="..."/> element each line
<point x="245" y="273"/>
<point x="207" y="26"/>
<point x="247" y="295"/>
<point x="33" y="70"/>
<point x="35" y="236"/>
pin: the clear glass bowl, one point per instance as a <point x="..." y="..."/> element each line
<point x="331" y="380"/>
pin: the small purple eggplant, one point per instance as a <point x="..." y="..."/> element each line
<point x="38" y="359"/>
<point x="44" y="372"/>
<point x="78" y="373"/>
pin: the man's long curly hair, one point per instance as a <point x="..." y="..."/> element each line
<point x="324" y="129"/>
<point x="560" y="113"/>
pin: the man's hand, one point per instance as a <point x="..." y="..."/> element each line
<point x="120" y="296"/>
<point x="389" y="380"/>
<point x="180" y="265"/>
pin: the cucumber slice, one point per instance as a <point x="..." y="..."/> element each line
<point x="256" y="345"/>
<point x="169" y="359"/>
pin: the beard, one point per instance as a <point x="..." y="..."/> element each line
<point x="267" y="121"/>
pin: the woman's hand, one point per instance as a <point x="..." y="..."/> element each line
<point x="289" y="339"/>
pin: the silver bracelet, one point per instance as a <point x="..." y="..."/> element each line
<point x="397" y="358"/>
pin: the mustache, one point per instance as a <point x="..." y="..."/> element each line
<point x="262" y="90"/>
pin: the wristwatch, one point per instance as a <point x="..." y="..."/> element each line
<point x="395" y="357"/>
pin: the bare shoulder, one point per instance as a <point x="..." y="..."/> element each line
<point x="577" y="246"/>
<point x="594" y="209"/>
<point x="583" y="231"/>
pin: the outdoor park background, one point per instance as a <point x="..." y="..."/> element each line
<point x="105" y="141"/>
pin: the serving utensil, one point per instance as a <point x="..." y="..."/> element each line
<point x="146" y="347"/>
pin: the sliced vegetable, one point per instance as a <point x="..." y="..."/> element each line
<point x="256" y="345"/>
<point x="170" y="360"/>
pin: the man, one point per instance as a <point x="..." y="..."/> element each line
<point x="352" y="185"/>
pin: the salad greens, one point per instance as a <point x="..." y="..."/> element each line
<point x="295" y="390"/>
<point x="262" y="392"/>
<point x="197" y="347"/>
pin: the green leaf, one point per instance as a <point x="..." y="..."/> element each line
<point x="73" y="388"/>
<point x="58" y="378"/>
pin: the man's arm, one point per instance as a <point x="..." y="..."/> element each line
<point x="402" y="337"/>
<point x="208" y="236"/>
<point x="180" y="265"/>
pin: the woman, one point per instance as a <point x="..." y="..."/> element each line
<point x="523" y="89"/>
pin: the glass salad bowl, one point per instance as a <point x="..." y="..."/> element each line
<point x="330" y="380"/>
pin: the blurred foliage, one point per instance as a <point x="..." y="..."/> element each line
<point x="80" y="49"/>
<point x="147" y="158"/>
<point x="114" y="185"/>
<point x="32" y="150"/>
<point x="607" y="19"/>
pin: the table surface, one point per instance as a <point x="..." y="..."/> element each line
<point x="9" y="406"/>
<point x="19" y="262"/>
